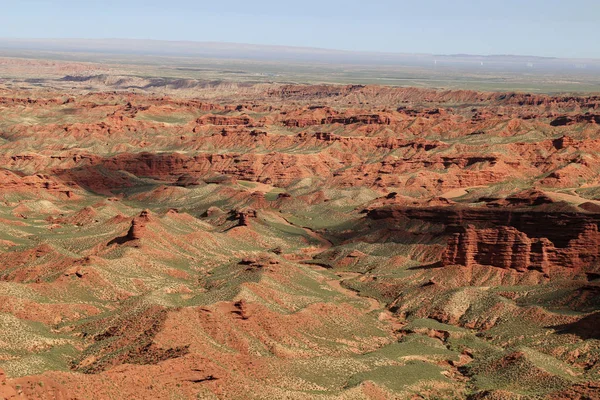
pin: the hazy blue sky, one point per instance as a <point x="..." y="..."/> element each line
<point x="567" y="28"/>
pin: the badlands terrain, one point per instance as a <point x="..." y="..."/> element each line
<point x="178" y="239"/>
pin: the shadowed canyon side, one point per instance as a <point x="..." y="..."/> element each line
<point x="261" y="241"/>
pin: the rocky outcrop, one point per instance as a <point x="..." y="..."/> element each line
<point x="37" y="185"/>
<point x="365" y="119"/>
<point x="571" y="120"/>
<point x="212" y="119"/>
<point x="527" y="198"/>
<point x="508" y="248"/>
<point x="138" y="226"/>
<point x="503" y="247"/>
<point x="517" y="238"/>
<point x="137" y="229"/>
<point x="245" y="216"/>
<point x="186" y="180"/>
<point x="563" y="142"/>
<point x="275" y="168"/>
<point x="368" y="119"/>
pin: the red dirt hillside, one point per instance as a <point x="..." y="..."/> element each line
<point x="252" y="241"/>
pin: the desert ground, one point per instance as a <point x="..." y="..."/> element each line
<point x="259" y="238"/>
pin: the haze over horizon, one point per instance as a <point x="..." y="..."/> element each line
<point x="535" y="28"/>
<point x="124" y="41"/>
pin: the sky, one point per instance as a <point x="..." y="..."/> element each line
<point x="556" y="28"/>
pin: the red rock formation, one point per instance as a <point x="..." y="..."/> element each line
<point x="138" y="226"/>
<point x="567" y="120"/>
<point x="137" y="230"/>
<point x="34" y="184"/>
<point x="225" y="120"/>
<point x="314" y="141"/>
<point x="245" y="216"/>
<point x="503" y="247"/>
<point x="563" y="142"/>
<point x="511" y="239"/>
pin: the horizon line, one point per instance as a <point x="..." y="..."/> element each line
<point x="282" y="46"/>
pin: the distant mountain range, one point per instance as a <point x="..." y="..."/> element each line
<point x="292" y="54"/>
